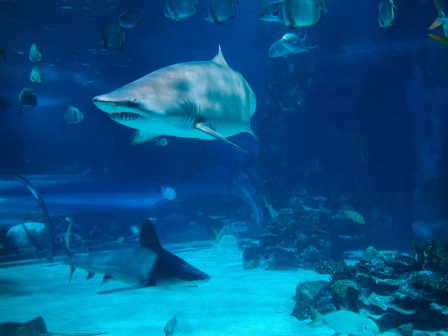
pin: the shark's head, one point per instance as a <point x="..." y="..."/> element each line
<point x="123" y="109"/>
<point x="132" y="105"/>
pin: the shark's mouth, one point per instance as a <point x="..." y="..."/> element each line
<point x="124" y="116"/>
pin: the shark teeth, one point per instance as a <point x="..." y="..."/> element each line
<point x="124" y="116"/>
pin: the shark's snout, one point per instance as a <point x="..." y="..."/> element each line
<point x="118" y="110"/>
<point x="104" y="104"/>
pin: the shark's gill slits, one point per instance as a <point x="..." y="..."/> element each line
<point x="124" y="116"/>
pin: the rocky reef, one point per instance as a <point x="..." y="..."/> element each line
<point x="304" y="235"/>
<point x="396" y="290"/>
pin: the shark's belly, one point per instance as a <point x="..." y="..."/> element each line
<point x="130" y="266"/>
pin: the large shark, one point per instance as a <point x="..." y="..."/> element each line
<point x="145" y="266"/>
<point x="202" y="100"/>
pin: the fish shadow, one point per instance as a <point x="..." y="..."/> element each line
<point x="12" y="288"/>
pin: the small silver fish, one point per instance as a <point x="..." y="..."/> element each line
<point x="168" y="193"/>
<point x="240" y="227"/>
<point x="354" y="216"/>
<point x="171" y="327"/>
<point x="73" y="115"/>
<point x="386" y="13"/>
<point x="303" y="13"/>
<point x="294" y="43"/>
<point x="130" y="19"/>
<point x="111" y="35"/>
<point x="344" y="322"/>
<point x="220" y="10"/>
<point x="159" y="142"/>
<point x="272" y="211"/>
<point x="272" y="12"/>
<point x="35" y="76"/>
<point x="277" y="49"/>
<point x="27" y="98"/>
<point x="35" y="55"/>
<point x="441" y="19"/>
<point x="180" y="9"/>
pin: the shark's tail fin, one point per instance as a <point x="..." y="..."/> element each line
<point x="70" y="254"/>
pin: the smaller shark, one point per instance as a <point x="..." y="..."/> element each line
<point x="146" y="266"/>
<point x="36" y="327"/>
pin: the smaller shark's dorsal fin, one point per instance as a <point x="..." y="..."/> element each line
<point x="220" y="58"/>
<point x="38" y="325"/>
<point x="148" y="236"/>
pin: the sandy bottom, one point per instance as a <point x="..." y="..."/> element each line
<point x="235" y="302"/>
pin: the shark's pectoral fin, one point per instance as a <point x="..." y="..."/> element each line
<point x="249" y="130"/>
<point x="206" y="129"/>
<point x="107" y="278"/>
<point x="144" y="284"/>
<point x="90" y="275"/>
<point x="138" y="137"/>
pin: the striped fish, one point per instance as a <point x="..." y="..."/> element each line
<point x="272" y="211"/>
<point x="73" y="115"/>
<point x="302" y="13"/>
<point x="354" y="216"/>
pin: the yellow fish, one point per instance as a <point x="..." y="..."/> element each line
<point x="441" y="20"/>
<point x="438" y="39"/>
<point x="354" y="216"/>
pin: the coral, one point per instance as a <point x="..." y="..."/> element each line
<point x="251" y="264"/>
<point x="328" y="266"/>
<point x="435" y="255"/>
<point x="306" y="292"/>
<point x="406" y="329"/>
<point x="395" y="290"/>
<point x="340" y="287"/>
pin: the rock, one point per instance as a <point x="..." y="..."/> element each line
<point x="420" y="333"/>
<point x="375" y="258"/>
<point x="406" y="329"/>
<point x="328" y="266"/>
<point x="324" y="300"/>
<point x="251" y="264"/>
<point x="311" y="254"/>
<point x="396" y="290"/>
<point x="295" y="203"/>
<point x="313" y="293"/>
<point x="306" y="292"/>
<point x="434" y="255"/>
<point x="251" y="253"/>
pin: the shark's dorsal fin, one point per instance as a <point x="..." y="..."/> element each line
<point x="38" y="325"/>
<point x="148" y="236"/>
<point x="220" y="58"/>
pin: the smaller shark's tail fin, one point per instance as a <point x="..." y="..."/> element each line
<point x="70" y="254"/>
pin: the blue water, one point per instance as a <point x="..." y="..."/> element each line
<point x="360" y="120"/>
